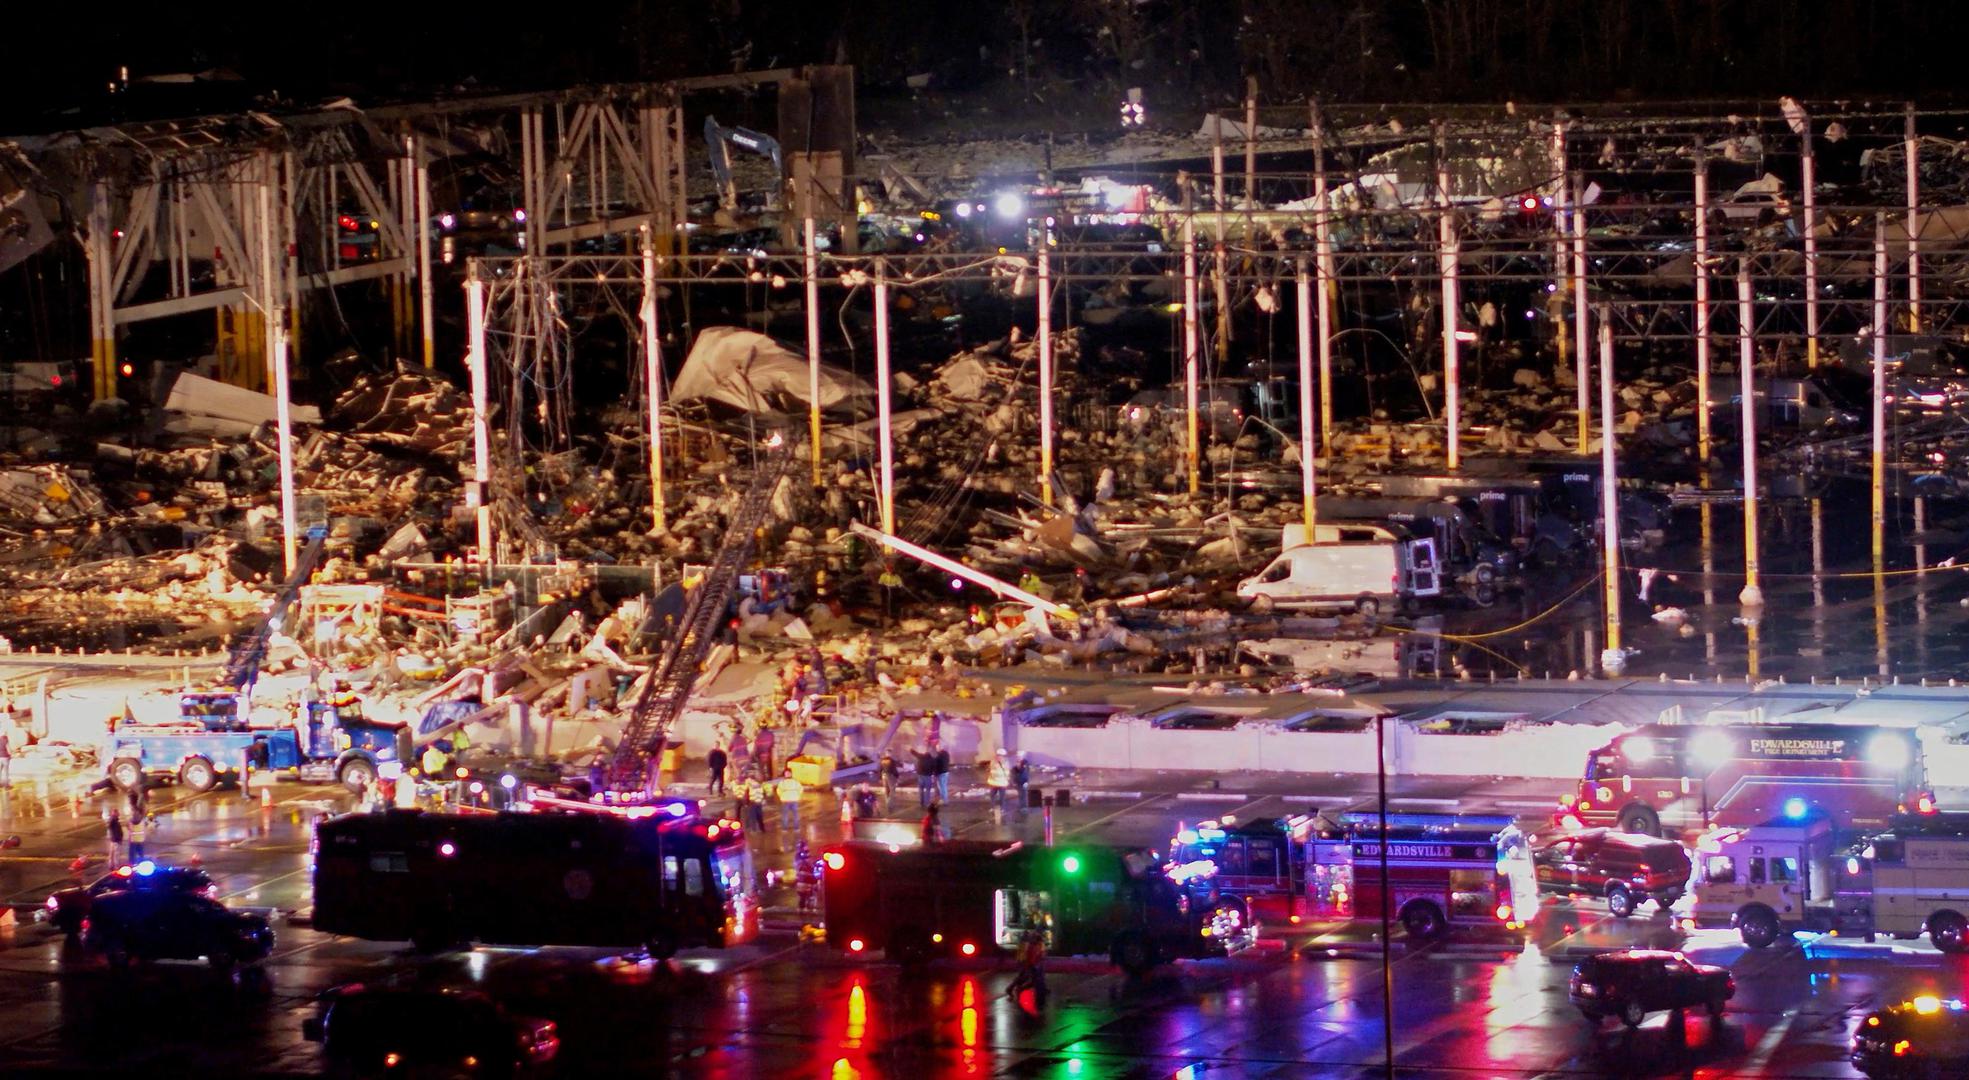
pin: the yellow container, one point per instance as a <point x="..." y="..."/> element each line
<point x="811" y="771"/>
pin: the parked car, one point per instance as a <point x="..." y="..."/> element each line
<point x="377" y="1030"/>
<point x="1631" y="983"/>
<point x="69" y="908"/>
<point x="1927" y="1036"/>
<point x="1624" y="868"/>
<point x="158" y="924"/>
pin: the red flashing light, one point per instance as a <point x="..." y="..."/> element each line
<point x="857" y="945"/>
<point x="1503" y="913"/>
<point x="128" y="370"/>
<point x="968" y="949"/>
<point x="1529" y="203"/>
<point x="1925" y="804"/>
<point x="833" y="860"/>
<point x="711" y="832"/>
<point x="346" y="221"/>
<point x="54" y="380"/>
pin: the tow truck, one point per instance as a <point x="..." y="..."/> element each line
<point x="1791" y="874"/>
<point x="214" y="733"/>
<point x="964" y="898"/>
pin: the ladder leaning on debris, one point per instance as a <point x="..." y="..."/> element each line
<point x="250" y="650"/>
<point x="670" y="681"/>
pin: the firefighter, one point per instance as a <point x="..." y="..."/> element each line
<point x="805" y="878"/>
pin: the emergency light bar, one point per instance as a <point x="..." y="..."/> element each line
<point x="1492" y="822"/>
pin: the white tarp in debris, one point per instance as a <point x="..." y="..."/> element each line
<point x="1233" y="130"/>
<point x="196" y="395"/>
<point x="752" y="372"/>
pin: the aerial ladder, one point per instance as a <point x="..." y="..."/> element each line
<point x="228" y="706"/>
<point x="682" y="657"/>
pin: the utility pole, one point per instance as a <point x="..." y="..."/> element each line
<point x="422" y="216"/>
<point x="813" y="346"/>
<point x="1613" y="660"/>
<point x="1045" y="366"/>
<point x="1190" y="345"/>
<point x="653" y="378"/>
<point x="1556" y="305"/>
<point x="1446" y="254"/>
<point x="1879" y="392"/>
<point x="284" y="408"/>
<point x="1306" y="477"/>
<point x="1323" y="267"/>
<point x="882" y="396"/>
<point x="1702" y="309"/>
<point x="1809" y="174"/>
<point x="1752" y="595"/>
<point x="479" y="495"/>
<point x="1913" y="223"/>
<point x="1579" y="317"/>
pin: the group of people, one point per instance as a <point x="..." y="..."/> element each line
<point x="127" y="837"/>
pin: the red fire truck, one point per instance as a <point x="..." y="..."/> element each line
<point x="655" y="876"/>
<point x="1442" y="872"/>
<point x="1668" y="779"/>
<point x="961" y="898"/>
<point x="1263" y="860"/>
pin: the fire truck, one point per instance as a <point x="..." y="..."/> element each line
<point x="656" y="876"/>
<point x="1263" y="860"/>
<point x="1769" y="881"/>
<point x="963" y="898"/>
<point x="1442" y="871"/>
<point x="1676" y="779"/>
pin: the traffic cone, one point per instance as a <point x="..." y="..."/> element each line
<point x="80" y="864"/>
<point x="194" y="860"/>
<point x="266" y="798"/>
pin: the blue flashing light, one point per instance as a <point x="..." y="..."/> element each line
<point x="677" y="809"/>
<point x="1794" y="808"/>
<point x="146" y="868"/>
<point x="1210" y="834"/>
<point x="1187" y="836"/>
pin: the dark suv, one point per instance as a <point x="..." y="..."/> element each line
<point x="1631" y="983"/>
<point x="382" y="1031"/>
<point x="1927" y="1036"/>
<point x="154" y="924"/>
<point x="1625" y="868"/>
<point x="67" y="908"/>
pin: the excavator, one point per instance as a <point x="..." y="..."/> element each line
<point x="719" y="139"/>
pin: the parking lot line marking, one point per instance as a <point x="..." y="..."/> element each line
<point x="1110" y="817"/>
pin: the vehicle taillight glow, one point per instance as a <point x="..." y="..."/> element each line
<point x="1901" y="1048"/>
<point x="390" y="1060"/>
<point x="1925" y="804"/>
<point x="833" y="860"/>
<point x="1504" y="913"/>
<point x="447" y="849"/>
<point x="968" y="949"/>
<point x="856" y="945"/>
<point x="54" y="904"/>
<point x="346" y="221"/>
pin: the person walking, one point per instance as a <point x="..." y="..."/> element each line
<point x="789" y="790"/>
<point x="113" y="832"/>
<point x="6" y="759"/>
<point x="1032" y="973"/>
<point x="716" y="761"/>
<point x="940" y="766"/>
<point x="890" y="772"/>
<point x="926" y="777"/>
<point x="1022" y="780"/>
<point x="998" y="779"/>
<point x="933" y="823"/>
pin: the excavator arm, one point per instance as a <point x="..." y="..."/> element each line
<point x="718" y="140"/>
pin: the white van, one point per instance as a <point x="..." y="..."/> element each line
<point x="1364" y="577"/>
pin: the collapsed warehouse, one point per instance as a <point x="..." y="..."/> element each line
<point x="1086" y="391"/>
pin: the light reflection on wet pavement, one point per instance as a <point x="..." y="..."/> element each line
<point x="1308" y="1005"/>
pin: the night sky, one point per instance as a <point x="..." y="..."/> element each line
<point x="1199" y="50"/>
